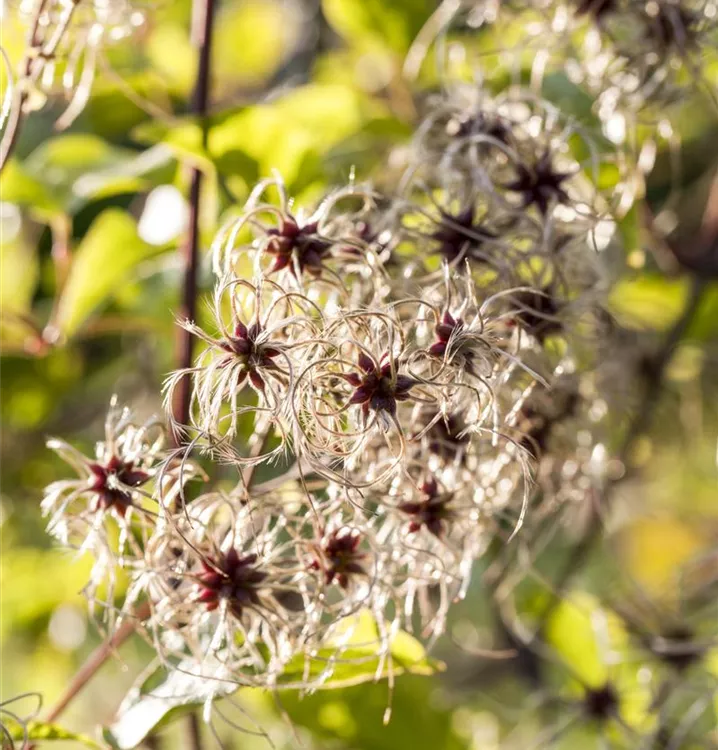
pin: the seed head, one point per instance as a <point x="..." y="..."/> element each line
<point x="378" y="386"/>
<point x="232" y="578"/>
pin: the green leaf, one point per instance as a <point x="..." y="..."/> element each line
<point x="378" y="24"/>
<point x="36" y="731"/>
<point x="595" y="645"/>
<point x="360" y="662"/>
<point x="705" y="323"/>
<point x="184" y="138"/>
<point x="110" y="111"/>
<point x="173" y="56"/>
<point x="18" y="186"/>
<point x="252" y="38"/>
<point x="649" y="301"/>
<point x="18" y="281"/>
<point x="137" y="172"/>
<point x="53" y="577"/>
<point x="571" y="632"/>
<point x="629" y="229"/>
<point x="569" y="98"/>
<point x="296" y="131"/>
<point x="65" y="172"/>
<point x="355" y="717"/>
<point x="105" y="258"/>
<point x="61" y="162"/>
<point x="292" y="134"/>
<point x="151" y="703"/>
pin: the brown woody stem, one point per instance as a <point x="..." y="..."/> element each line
<point x="202" y="22"/>
<point x="96" y="659"/>
<point x="203" y="12"/>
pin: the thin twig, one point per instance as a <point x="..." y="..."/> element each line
<point x="202" y="24"/>
<point x="203" y="16"/>
<point x="194" y="732"/>
<point x="96" y="659"/>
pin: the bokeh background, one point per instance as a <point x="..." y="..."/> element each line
<point x="315" y="90"/>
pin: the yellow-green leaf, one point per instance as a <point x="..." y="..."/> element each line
<point x="571" y="631"/>
<point x="105" y="258"/>
<point x="648" y="302"/>
<point x="378" y="24"/>
<point x="40" y="731"/>
<point x="149" y="704"/>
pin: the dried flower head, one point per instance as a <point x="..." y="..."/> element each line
<point x="109" y="510"/>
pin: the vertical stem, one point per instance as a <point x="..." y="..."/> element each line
<point x="96" y="659"/>
<point x="203" y="12"/>
<point x="202" y="21"/>
<point x="194" y="732"/>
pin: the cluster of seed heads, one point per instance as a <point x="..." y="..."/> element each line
<point x="633" y="57"/>
<point x="410" y="367"/>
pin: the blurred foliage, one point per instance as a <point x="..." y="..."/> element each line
<point x="163" y="694"/>
<point x="87" y="295"/>
<point x="38" y="731"/>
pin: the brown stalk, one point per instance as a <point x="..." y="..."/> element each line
<point x="202" y="22"/>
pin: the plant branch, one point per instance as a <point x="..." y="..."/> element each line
<point x="96" y="659"/>
<point x="202" y="22"/>
<point x="194" y="732"/>
<point x="203" y="12"/>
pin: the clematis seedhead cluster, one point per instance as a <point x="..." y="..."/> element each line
<point x="633" y="57"/>
<point x="386" y="385"/>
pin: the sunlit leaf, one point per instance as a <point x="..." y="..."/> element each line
<point x="376" y="23"/>
<point x="105" y="258"/>
<point x="252" y="39"/>
<point x="648" y="301"/>
<point x="65" y="172"/>
<point x="572" y="632"/>
<point x="360" y="662"/>
<point x="173" y="56"/>
<point x="18" y="280"/>
<point x="292" y="134"/>
<point x="19" y="266"/>
<point x="295" y="131"/>
<point x="152" y="703"/>
<point x="40" y="731"/>
<point x="594" y="646"/>
<point x="60" y="162"/>
<point x="19" y="186"/>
